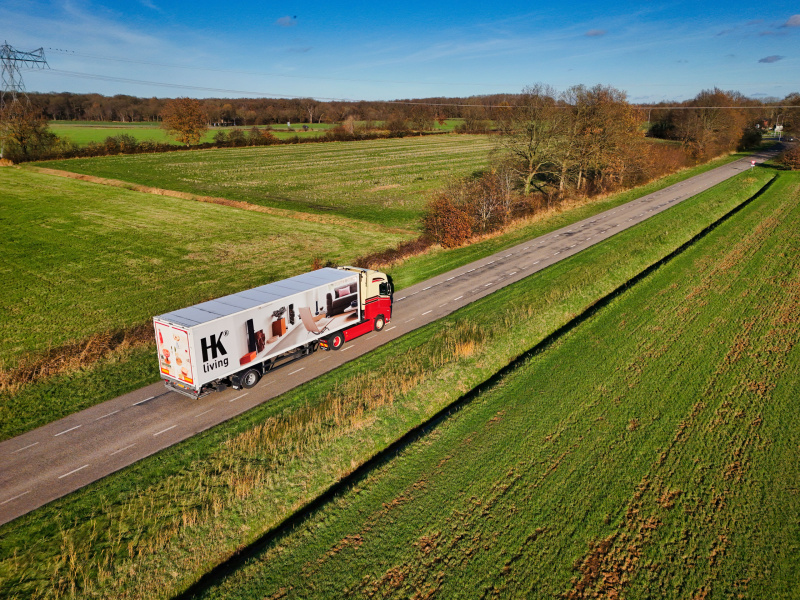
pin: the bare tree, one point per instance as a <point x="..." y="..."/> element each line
<point x="530" y="135"/>
<point x="310" y="106"/>
<point x="708" y="124"/>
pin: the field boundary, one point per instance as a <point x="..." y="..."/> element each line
<point x="241" y="556"/>
<point x="240" y="204"/>
<point x="73" y="356"/>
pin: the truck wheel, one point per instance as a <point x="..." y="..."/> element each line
<point x="379" y="322"/>
<point x="336" y="341"/>
<point x="250" y="378"/>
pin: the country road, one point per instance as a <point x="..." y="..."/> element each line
<point x="63" y="456"/>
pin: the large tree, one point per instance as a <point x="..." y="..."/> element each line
<point x="530" y="135"/>
<point x="552" y="143"/>
<point x="601" y="138"/>
<point x="709" y="124"/>
<point x="24" y="134"/>
<point x="185" y="119"/>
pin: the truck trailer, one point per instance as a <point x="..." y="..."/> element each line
<point x="234" y="340"/>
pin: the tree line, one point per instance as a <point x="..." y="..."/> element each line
<point x="478" y="112"/>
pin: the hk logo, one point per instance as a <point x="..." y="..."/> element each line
<point x="214" y="345"/>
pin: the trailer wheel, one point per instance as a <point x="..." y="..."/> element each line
<point x="379" y="322"/>
<point x="250" y="378"/>
<point x="336" y="341"/>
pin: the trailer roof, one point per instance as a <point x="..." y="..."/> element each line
<point x="234" y="303"/>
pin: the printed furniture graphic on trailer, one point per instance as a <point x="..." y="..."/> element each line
<point x="234" y="340"/>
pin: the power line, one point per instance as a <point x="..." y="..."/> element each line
<point x="260" y="94"/>
<point x="339" y="79"/>
<point x="244" y="92"/>
<point x="268" y="74"/>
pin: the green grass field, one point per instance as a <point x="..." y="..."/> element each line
<point x="82" y="133"/>
<point x="81" y="259"/>
<point x="649" y="452"/>
<point x="383" y="182"/>
<point x="154" y="528"/>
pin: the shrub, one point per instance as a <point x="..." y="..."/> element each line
<point x="474" y="126"/>
<point x="448" y="223"/>
<point x="751" y="138"/>
<point x="397" y="124"/>
<point x="221" y="138"/>
<point x="254" y="136"/>
<point x="236" y="138"/>
<point x="391" y="256"/>
<point x="791" y="159"/>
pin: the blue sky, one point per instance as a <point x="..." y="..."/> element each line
<point x="358" y="50"/>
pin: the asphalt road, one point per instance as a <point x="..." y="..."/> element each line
<point x="52" y="461"/>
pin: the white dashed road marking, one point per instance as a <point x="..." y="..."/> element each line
<point x="73" y="471"/>
<point x="67" y="431"/>
<point x="14" y="498"/>
<point x="24" y="447"/>
<point x="122" y="449"/>
<point x="168" y="428"/>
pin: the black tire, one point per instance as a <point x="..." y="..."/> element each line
<point x="250" y="378"/>
<point x="336" y="341"/>
<point x="380" y="322"/>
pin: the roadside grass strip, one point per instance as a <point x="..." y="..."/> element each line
<point x="649" y="451"/>
<point x="155" y="528"/>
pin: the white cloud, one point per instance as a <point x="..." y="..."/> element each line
<point x="771" y="59"/>
<point x="151" y="5"/>
<point x="794" y="21"/>
<point x="286" y="21"/>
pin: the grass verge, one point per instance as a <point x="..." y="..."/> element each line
<point x="154" y="528"/>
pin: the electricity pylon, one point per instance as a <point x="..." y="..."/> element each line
<point x="12" y="77"/>
<point x="12" y="59"/>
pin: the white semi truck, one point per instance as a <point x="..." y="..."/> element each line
<point x="234" y="340"/>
